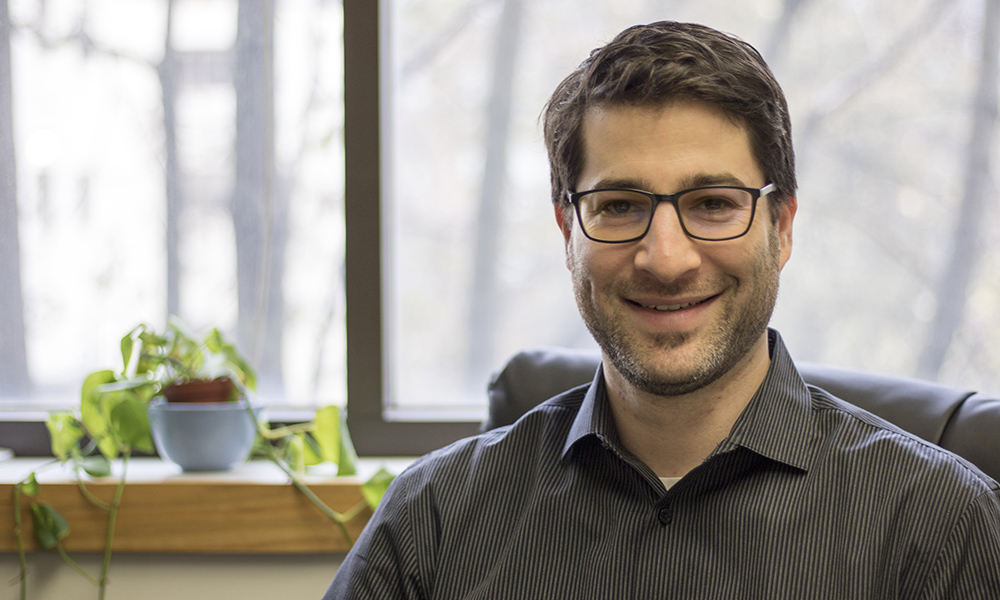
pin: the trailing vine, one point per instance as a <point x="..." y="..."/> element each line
<point x="111" y="425"/>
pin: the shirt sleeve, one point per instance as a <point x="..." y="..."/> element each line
<point x="383" y="564"/>
<point x="968" y="567"/>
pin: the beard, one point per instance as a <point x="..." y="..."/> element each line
<point x="644" y="360"/>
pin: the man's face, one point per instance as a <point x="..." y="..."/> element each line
<point x="673" y="314"/>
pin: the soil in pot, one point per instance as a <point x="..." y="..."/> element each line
<point x="201" y="390"/>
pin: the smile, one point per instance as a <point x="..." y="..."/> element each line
<point x="675" y="307"/>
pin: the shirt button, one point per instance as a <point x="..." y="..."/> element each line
<point x="665" y="516"/>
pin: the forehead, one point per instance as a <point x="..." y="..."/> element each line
<point x="665" y="148"/>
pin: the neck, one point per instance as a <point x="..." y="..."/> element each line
<point x="675" y="434"/>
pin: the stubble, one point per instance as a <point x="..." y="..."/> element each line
<point x="643" y="359"/>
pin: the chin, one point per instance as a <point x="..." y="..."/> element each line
<point x="679" y="363"/>
<point x="655" y="372"/>
<point x="676" y="364"/>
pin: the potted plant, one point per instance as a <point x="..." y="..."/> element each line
<point x="113" y="422"/>
<point x="195" y="392"/>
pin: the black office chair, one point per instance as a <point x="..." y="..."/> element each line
<point x="962" y="421"/>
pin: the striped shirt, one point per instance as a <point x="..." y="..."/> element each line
<point x="807" y="498"/>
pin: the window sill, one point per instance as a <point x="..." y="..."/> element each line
<point x="249" y="510"/>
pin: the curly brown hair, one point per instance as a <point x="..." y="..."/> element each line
<point x="654" y="64"/>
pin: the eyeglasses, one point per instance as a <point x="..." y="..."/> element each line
<point x="710" y="213"/>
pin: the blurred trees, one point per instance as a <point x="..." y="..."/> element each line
<point x="485" y="301"/>
<point x="258" y="205"/>
<point x="978" y="190"/>
<point x="887" y="273"/>
<point x="13" y="354"/>
<point x="257" y="210"/>
<point x="894" y="107"/>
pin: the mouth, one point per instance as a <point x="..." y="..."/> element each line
<point x="674" y="307"/>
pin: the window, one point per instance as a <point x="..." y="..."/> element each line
<point x="440" y="218"/>
<point x="172" y="157"/>
<point x="891" y="266"/>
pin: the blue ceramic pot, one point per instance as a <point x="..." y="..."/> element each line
<point x="202" y="436"/>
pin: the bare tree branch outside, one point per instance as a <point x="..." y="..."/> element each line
<point x="186" y="157"/>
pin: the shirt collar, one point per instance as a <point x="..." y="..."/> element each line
<point x="776" y="423"/>
<point x="594" y="419"/>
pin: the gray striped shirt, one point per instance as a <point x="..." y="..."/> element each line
<point x="808" y="498"/>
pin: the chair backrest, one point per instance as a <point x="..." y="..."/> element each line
<point x="962" y="421"/>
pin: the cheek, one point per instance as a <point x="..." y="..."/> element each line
<point x="571" y="253"/>
<point x="762" y="250"/>
<point x="584" y="265"/>
<point x="577" y="253"/>
<point x="586" y="259"/>
<point x="599" y="272"/>
<point x="766" y="260"/>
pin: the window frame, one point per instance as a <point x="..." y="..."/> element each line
<point x="375" y="432"/>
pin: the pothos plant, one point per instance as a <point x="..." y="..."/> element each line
<point x="111" y="424"/>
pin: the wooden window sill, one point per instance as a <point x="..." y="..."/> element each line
<point x="249" y="510"/>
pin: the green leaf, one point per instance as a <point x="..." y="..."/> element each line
<point x="30" y="486"/>
<point x="96" y="466"/>
<point x="50" y="526"/>
<point x="130" y="424"/>
<point x="127" y="345"/>
<point x="293" y="452"/>
<point x="132" y="356"/>
<point x="217" y="344"/>
<point x="374" y="489"/>
<point x="126" y="384"/>
<point x="108" y="446"/>
<point x="92" y="402"/>
<point x="327" y="432"/>
<point x="185" y="354"/>
<point x="142" y="388"/>
<point x="335" y="441"/>
<point x="65" y="432"/>
<point x="312" y="453"/>
<point x="148" y="363"/>
<point x="102" y="394"/>
<point x="150" y="339"/>
<point x="348" y="462"/>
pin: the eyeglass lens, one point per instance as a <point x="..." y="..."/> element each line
<point x="709" y="213"/>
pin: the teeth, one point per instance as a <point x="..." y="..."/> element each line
<point x="671" y="307"/>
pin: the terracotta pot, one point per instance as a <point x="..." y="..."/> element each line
<point x="200" y="390"/>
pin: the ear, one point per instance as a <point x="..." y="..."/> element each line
<point x="564" y="219"/>
<point x="784" y="224"/>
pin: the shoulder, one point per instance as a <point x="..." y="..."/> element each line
<point x="533" y="442"/>
<point x="872" y="444"/>
<point x="909" y="494"/>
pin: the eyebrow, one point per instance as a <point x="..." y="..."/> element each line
<point x="694" y="181"/>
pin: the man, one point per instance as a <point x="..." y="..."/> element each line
<point x="697" y="464"/>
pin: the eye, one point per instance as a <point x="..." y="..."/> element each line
<point x="618" y="207"/>
<point x="616" y="204"/>
<point x="714" y="204"/>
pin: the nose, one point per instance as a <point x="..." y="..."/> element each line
<point x="666" y="252"/>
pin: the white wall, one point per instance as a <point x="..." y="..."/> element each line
<point x="174" y="577"/>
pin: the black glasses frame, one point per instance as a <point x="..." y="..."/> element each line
<point x="755" y="194"/>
